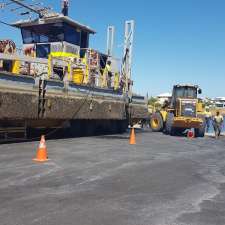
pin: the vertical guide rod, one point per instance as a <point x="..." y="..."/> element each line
<point x="110" y="40"/>
<point x="128" y="52"/>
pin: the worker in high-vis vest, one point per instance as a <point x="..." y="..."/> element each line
<point x="116" y="81"/>
<point x="109" y="74"/>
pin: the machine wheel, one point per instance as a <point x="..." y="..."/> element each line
<point x="156" y="122"/>
<point x="200" y="132"/>
<point x="169" y="129"/>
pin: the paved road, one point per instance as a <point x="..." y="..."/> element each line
<point x="103" y="181"/>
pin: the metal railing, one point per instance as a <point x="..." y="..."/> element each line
<point x="62" y="66"/>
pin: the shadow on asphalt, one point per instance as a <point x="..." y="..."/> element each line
<point x="64" y="135"/>
<point x="111" y="137"/>
<point x="124" y="136"/>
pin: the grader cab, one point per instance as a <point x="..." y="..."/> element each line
<point x="180" y="112"/>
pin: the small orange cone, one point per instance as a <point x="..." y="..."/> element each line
<point x="132" y="137"/>
<point x="42" y="155"/>
<point x="190" y="134"/>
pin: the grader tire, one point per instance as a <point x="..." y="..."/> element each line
<point x="156" y="122"/>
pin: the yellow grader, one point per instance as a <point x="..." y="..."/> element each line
<point x="180" y="113"/>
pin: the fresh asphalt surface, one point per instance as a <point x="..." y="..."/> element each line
<point x="104" y="181"/>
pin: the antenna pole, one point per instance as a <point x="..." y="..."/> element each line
<point x="27" y="7"/>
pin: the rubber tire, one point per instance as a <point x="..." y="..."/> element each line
<point x="200" y="132"/>
<point x="156" y="116"/>
<point x="169" y="129"/>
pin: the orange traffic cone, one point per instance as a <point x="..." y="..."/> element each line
<point x="190" y="134"/>
<point x="42" y="155"/>
<point x="132" y="137"/>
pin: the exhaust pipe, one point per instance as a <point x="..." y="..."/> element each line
<point x="65" y="7"/>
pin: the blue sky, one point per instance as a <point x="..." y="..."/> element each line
<point x="176" y="41"/>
